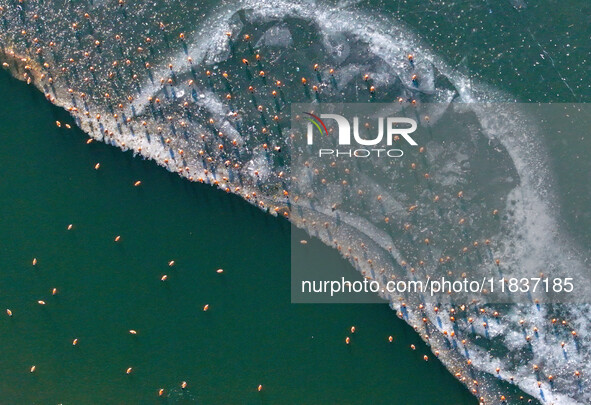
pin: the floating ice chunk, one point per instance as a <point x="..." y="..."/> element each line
<point x="337" y="46"/>
<point x="276" y="36"/>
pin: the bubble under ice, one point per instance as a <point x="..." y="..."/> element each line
<point x="171" y="81"/>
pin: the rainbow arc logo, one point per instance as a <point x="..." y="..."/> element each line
<point x="316" y="120"/>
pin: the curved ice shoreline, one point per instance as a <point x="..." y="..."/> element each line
<point x="265" y="188"/>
